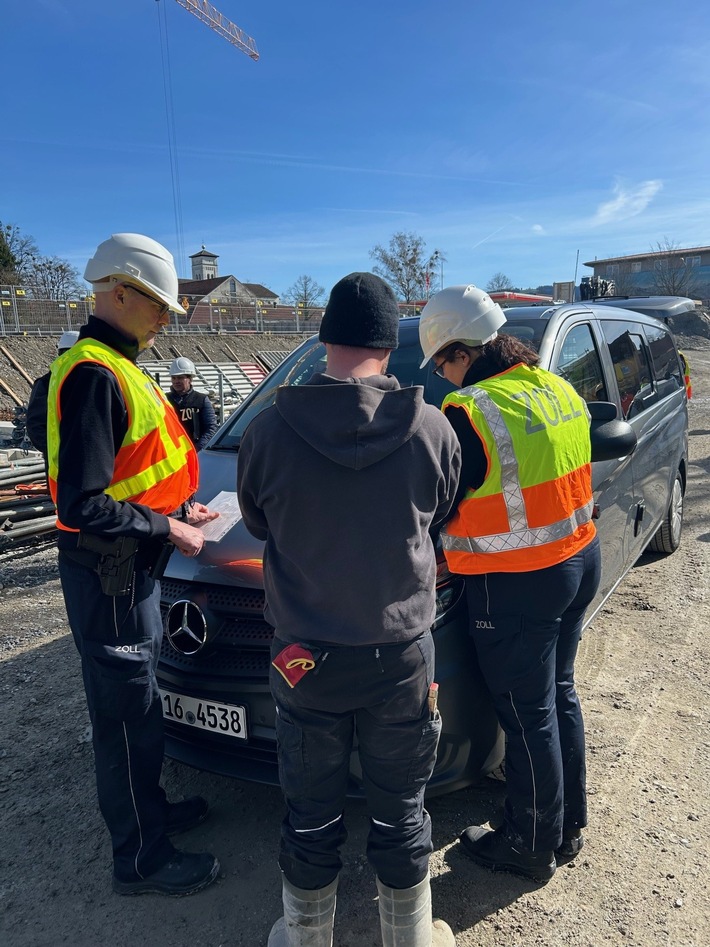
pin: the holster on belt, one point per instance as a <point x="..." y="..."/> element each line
<point x="115" y="561"/>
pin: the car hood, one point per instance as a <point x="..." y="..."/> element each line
<point x="236" y="559"/>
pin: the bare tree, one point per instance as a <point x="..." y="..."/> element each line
<point x="672" y="273"/>
<point x="499" y="283"/>
<point x="436" y="269"/>
<point x="306" y="295"/>
<point x="405" y="266"/>
<point x="53" y="278"/>
<point x="7" y="260"/>
<point x="23" y="251"/>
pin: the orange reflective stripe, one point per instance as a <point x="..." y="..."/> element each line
<point x="144" y="453"/>
<point x="163" y="472"/>
<point x="160" y="496"/>
<point x="491" y="510"/>
<point x="546" y="502"/>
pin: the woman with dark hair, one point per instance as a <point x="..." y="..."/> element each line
<point x="524" y="539"/>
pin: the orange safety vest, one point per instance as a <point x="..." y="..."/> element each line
<point x="156" y="464"/>
<point x="534" y="507"/>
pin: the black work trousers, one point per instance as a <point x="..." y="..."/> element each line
<point x="119" y="639"/>
<point x="526" y="627"/>
<point x="380" y="694"/>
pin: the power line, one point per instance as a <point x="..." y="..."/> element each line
<point x="172" y="138"/>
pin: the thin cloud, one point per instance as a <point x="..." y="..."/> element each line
<point x="371" y="211"/>
<point x="538" y="229"/>
<point x="626" y="203"/>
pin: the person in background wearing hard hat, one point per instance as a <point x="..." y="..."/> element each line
<point x="352" y="649"/>
<point x="194" y="408"/>
<point x="36" y="420"/>
<point x="524" y="539"/>
<point x="121" y="470"/>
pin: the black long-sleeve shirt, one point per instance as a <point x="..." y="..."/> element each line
<point x="94" y="421"/>
<point x="196" y="415"/>
<point x="474" y="463"/>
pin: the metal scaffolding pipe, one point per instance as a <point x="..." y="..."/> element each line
<point x="28" y="513"/>
<point x="23" y="474"/>
<point x="33" y="528"/>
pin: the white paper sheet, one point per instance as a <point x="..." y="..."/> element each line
<point x="227" y="505"/>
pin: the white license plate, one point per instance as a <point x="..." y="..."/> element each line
<point x="227" y="719"/>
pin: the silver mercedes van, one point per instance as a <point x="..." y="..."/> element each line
<point x="213" y="671"/>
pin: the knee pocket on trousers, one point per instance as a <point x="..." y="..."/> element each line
<point x="293" y="759"/>
<point x="424" y="760"/>
<point x="119" y="678"/>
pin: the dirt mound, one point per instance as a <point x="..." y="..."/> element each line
<point x="691" y="324"/>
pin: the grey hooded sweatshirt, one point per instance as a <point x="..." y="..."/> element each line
<point x="344" y="480"/>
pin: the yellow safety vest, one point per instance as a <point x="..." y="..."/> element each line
<point x="156" y="464"/>
<point x="534" y="507"/>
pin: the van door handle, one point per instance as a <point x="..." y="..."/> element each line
<point x="640" y="510"/>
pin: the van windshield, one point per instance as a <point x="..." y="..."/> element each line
<point x="529" y="329"/>
<point x="296" y="369"/>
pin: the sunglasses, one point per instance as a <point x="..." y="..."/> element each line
<point x="439" y="370"/>
<point x="163" y="308"/>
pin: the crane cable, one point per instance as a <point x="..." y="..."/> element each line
<point x="172" y="138"/>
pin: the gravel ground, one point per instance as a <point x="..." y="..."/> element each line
<point x="641" y="881"/>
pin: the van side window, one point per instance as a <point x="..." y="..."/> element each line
<point x="667" y="369"/>
<point x="629" y="355"/>
<point x="580" y="365"/>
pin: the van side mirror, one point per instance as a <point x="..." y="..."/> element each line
<point x="611" y="438"/>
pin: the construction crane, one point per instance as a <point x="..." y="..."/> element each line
<point x="220" y="24"/>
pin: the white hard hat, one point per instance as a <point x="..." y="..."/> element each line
<point x="137" y="259"/>
<point x="458" y="314"/>
<point x="182" y="366"/>
<point x="67" y="339"/>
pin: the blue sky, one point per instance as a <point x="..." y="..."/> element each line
<point x="509" y="135"/>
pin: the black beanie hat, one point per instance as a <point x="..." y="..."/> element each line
<point x="362" y="312"/>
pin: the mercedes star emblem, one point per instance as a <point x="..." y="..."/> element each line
<point x="186" y="627"/>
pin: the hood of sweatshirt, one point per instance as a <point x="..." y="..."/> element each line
<point x="354" y="422"/>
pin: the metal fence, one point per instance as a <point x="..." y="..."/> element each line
<point x="22" y="312"/>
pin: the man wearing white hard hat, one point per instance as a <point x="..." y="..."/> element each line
<point x="121" y="472"/>
<point x="193" y="407"/>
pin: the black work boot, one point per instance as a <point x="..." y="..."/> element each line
<point x="494" y="850"/>
<point x="572" y="844"/>
<point x="185" y="815"/>
<point x="185" y="873"/>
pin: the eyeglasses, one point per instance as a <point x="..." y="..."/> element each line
<point x="439" y="370"/>
<point x="163" y="308"/>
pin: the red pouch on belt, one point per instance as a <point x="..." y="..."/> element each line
<point x="293" y="662"/>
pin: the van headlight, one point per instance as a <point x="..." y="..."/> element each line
<point x="448" y="595"/>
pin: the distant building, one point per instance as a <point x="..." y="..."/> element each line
<point x="213" y="299"/>
<point x="509" y="298"/>
<point x="204" y="264"/>
<point x="673" y="272"/>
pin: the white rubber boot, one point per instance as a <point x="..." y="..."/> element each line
<point x="405" y="918"/>
<point x="308" y="917"/>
